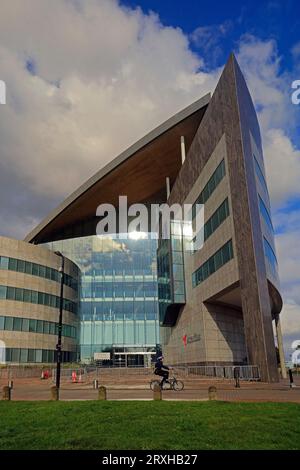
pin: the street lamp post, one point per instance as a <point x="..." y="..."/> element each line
<point x="61" y="300"/>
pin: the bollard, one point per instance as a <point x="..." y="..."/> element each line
<point x="292" y="385"/>
<point x="236" y="374"/>
<point x="212" y="393"/>
<point x="6" y="393"/>
<point x="102" y="395"/>
<point x="54" y="393"/>
<point x="157" y="392"/>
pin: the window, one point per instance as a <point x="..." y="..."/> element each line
<point x="216" y="219"/>
<point x="13" y="264"/>
<point x="39" y="326"/>
<point x="211" y="185"/>
<point x="19" y="294"/>
<point x="260" y="175"/>
<point x="35" y="269"/>
<point x="9" y="323"/>
<point x="21" y="266"/>
<point x="25" y="324"/>
<point x="3" y="292"/>
<point x="46" y="327"/>
<point x="10" y="293"/>
<point x="32" y="325"/>
<point x="270" y="255"/>
<point x="4" y="262"/>
<point x="265" y="214"/>
<point x="24" y="355"/>
<point x="214" y="263"/>
<point x="17" y="324"/>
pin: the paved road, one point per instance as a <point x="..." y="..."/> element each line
<point x="35" y="389"/>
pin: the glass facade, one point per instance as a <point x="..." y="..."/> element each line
<point x="265" y="214"/>
<point x="214" y="221"/>
<point x="35" y="297"/>
<point x="271" y="258"/>
<point x="119" y="307"/>
<point x="261" y="177"/>
<point x="34" y="269"/>
<point x="37" y="355"/>
<point x="215" y="262"/>
<point x="210" y="186"/>
<point x="171" y="281"/>
<point x="31" y="325"/>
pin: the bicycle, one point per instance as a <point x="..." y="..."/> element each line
<point x="171" y="384"/>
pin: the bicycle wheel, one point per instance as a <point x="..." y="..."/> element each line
<point x="153" y="382"/>
<point x="178" y="385"/>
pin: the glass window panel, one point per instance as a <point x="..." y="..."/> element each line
<point x="3" y="292"/>
<point x="28" y="267"/>
<point x="19" y="294"/>
<point x="52" y="328"/>
<point x="46" y="327"/>
<point x="34" y="297"/>
<point x="38" y="355"/>
<point x="9" y="323"/>
<point x="35" y="269"/>
<point x="45" y="355"/>
<point x="25" y="324"/>
<point x="32" y="325"/>
<point x="21" y="265"/>
<point x="31" y="355"/>
<point x="27" y="295"/>
<point x="13" y="264"/>
<point x="17" y="324"/>
<point x="2" y="321"/>
<point x="11" y="293"/>
<point x="4" y="261"/>
<point x="39" y="327"/>
<point x="24" y="355"/>
<point x="15" y="357"/>
<point x="41" y="298"/>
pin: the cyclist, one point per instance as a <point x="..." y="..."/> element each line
<point x="161" y="370"/>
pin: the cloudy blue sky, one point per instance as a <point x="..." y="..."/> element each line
<point x="81" y="72"/>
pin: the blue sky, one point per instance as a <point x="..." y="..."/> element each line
<point x="279" y="20"/>
<point x="81" y="72"/>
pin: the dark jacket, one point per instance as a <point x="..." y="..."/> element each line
<point x="159" y="366"/>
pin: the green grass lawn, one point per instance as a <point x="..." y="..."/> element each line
<point x="149" y="425"/>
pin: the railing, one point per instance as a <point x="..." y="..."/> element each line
<point x="224" y="372"/>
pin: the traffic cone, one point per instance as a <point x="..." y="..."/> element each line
<point x="74" y="377"/>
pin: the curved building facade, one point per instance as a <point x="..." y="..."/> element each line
<point x="217" y="304"/>
<point x="30" y="281"/>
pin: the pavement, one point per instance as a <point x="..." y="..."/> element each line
<point x="137" y="388"/>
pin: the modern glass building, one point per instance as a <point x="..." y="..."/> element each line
<point x="118" y="306"/>
<point x="219" y="300"/>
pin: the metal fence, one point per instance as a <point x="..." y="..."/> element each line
<point x="220" y="372"/>
<point x="19" y="372"/>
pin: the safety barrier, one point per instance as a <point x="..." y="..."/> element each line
<point x="248" y="372"/>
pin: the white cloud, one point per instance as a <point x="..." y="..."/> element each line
<point x="271" y="89"/>
<point x="120" y="73"/>
<point x="290" y="319"/>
